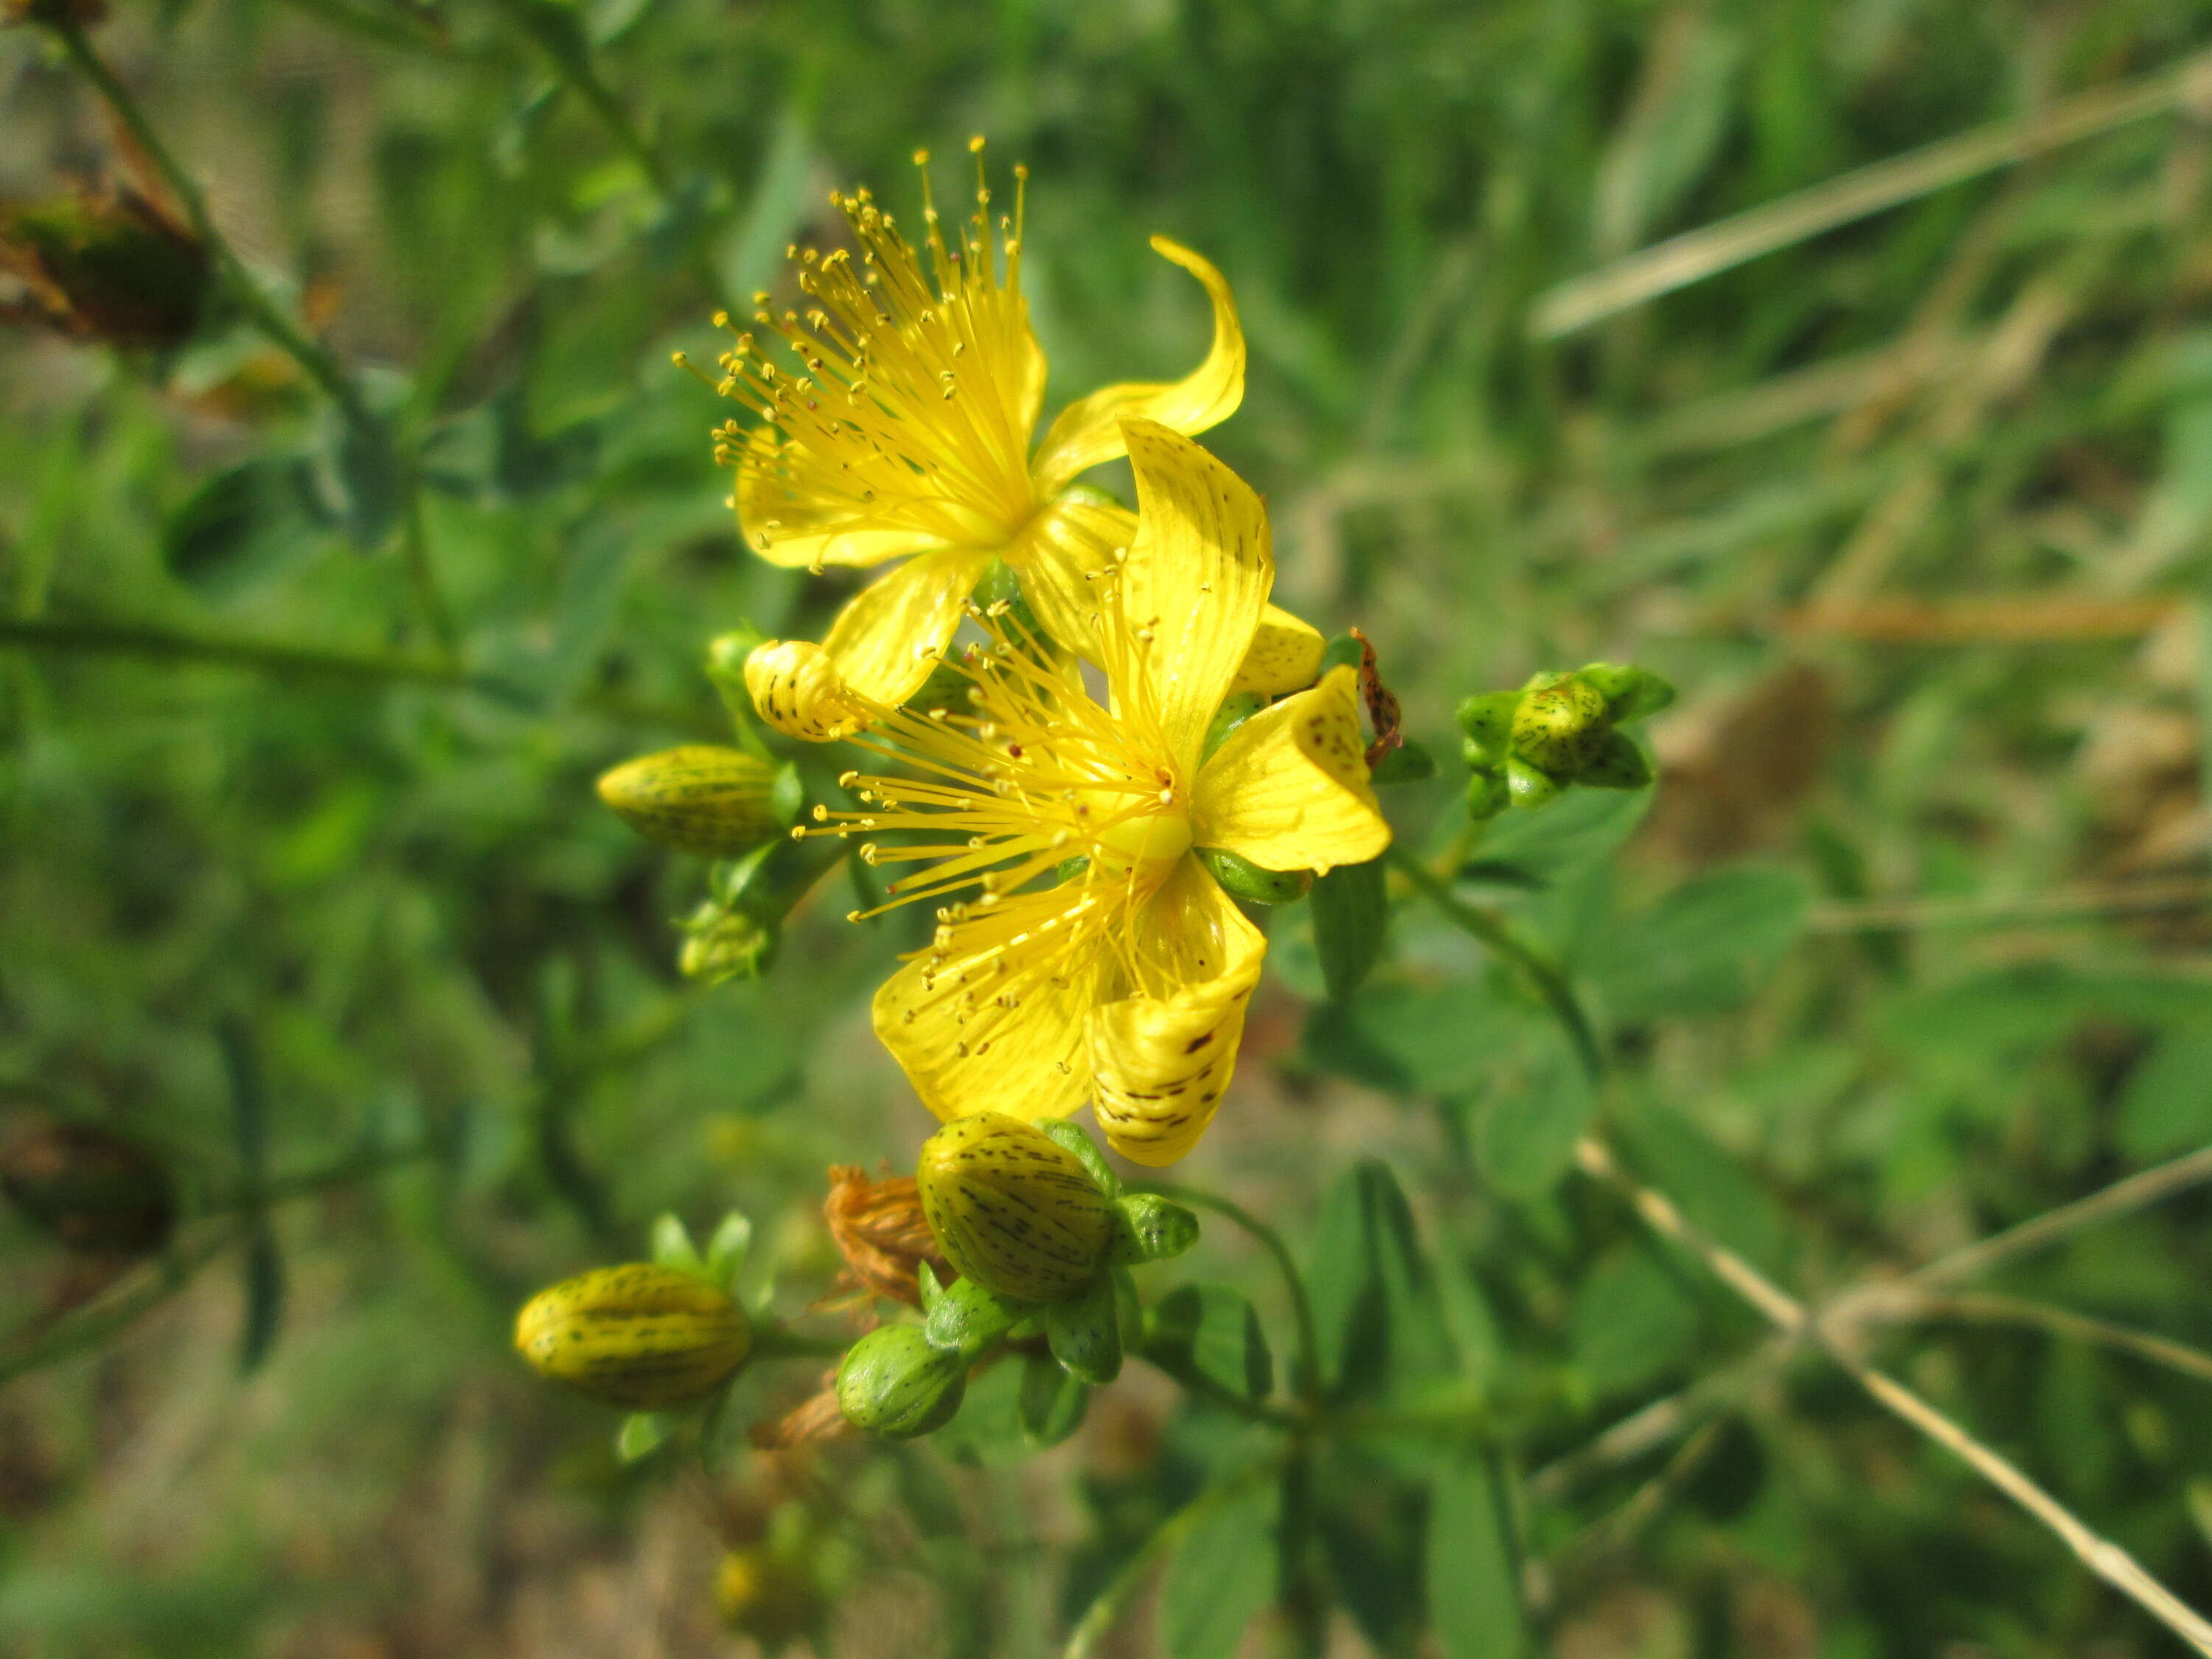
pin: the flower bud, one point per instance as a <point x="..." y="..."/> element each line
<point x="893" y="1383"/>
<point x="638" y="1335"/>
<point x="1630" y="692"/>
<point x="1150" y="1227"/>
<point x="1242" y="878"/>
<point x="1012" y="1209"/>
<point x="796" y="689"/>
<point x="879" y="1230"/>
<point x="110" y="266"/>
<point x="92" y="1189"/>
<point x="1559" y="728"/>
<point x="720" y="942"/>
<point x="1487" y="793"/>
<point x="699" y="799"/>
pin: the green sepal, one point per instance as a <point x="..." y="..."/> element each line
<point x="1085" y="1332"/>
<point x="1001" y="586"/>
<point x="1242" y="878"/>
<point x="1030" y="1326"/>
<point x="1630" y="693"/>
<point x="787" y="796"/>
<point x="1150" y="1227"/>
<point x="727" y="1251"/>
<point x="1619" y="765"/>
<point x="1487" y="794"/>
<point x="1129" y="1310"/>
<point x="1068" y="1135"/>
<point x="1236" y="709"/>
<point x="967" y="1318"/>
<point x="1409" y="763"/>
<point x="1052" y="1402"/>
<point x="1487" y="720"/>
<point x="1529" y="788"/>
<point x="643" y="1433"/>
<point x="672" y="1246"/>
<point x="925" y="1286"/>
<point x="1342" y="651"/>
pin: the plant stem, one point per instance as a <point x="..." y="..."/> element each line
<point x="1909" y="1304"/>
<point x="1308" y="1382"/>
<point x="2121" y="1198"/>
<point x="2102" y="1557"/>
<point x="1547" y="977"/>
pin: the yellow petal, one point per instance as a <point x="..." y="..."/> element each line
<point x="789" y="521"/>
<point x="1193" y="589"/>
<point x="946" y="1019"/>
<point x="1161" y="1060"/>
<point x="1286" y="655"/>
<point x="1057" y="556"/>
<point x="1089" y="430"/>
<point x="1289" y="789"/>
<point x="797" y="690"/>
<point x="885" y="641"/>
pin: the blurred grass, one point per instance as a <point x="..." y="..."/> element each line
<point x="1996" y="389"/>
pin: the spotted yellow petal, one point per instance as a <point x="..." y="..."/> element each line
<point x="1289" y="789"/>
<point x="1285" y="656"/>
<point x="1193" y="589"/>
<point x="1160" y="1059"/>
<point x="790" y="518"/>
<point x="797" y="688"/>
<point x="1089" y="430"/>
<point x="885" y="641"/>
<point x="978" y="1023"/>
<point x="1059" y="555"/>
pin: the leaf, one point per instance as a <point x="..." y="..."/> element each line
<point x="1430" y="1039"/>
<point x="1409" y="763"/>
<point x="1221" y="1578"/>
<point x="1351" y="921"/>
<point x="1370" y="1522"/>
<point x="1703" y="948"/>
<point x="1632" y="1321"/>
<point x="365" y="480"/>
<point x="1472" y="1568"/>
<point x="1052" y="1402"/>
<point x="264" y="1301"/>
<point x="1210" y="1332"/>
<point x="1377" y="1308"/>
<point x="776" y="208"/>
<point x="2167" y="1106"/>
<point x="643" y="1433"/>
<point x="1524" y="1129"/>
<point x="727" y="1251"/>
<point x="1574" y="832"/>
<point x="236" y="526"/>
<point x="988" y="1429"/>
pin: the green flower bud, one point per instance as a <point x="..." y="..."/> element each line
<point x="1559" y="728"/>
<point x="1150" y="1227"/>
<point x="1487" y="720"/>
<point x="639" y="1336"/>
<point x="1487" y="794"/>
<point x="721" y="943"/>
<point x="966" y="1318"/>
<point x="1242" y="878"/>
<point x="699" y="799"/>
<point x="1528" y="787"/>
<point x="894" y="1383"/>
<point x="1012" y="1209"/>
<point x="1630" y="693"/>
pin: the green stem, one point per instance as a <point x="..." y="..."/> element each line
<point x="1308" y="1381"/>
<point x="776" y="1341"/>
<point x="1129" y="1580"/>
<point x="1547" y="977"/>
<point x="422" y="575"/>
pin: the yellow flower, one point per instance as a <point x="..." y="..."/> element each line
<point x="1083" y="952"/>
<point x="903" y="430"/>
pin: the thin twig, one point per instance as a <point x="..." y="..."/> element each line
<point x="2100" y="1555"/>
<point x="1911" y="1304"/>
<point x="2121" y="1198"/>
<point x="1711" y="249"/>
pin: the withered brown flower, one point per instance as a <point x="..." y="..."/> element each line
<point x="879" y="1230"/>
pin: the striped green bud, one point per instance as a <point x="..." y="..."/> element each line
<point x="1559" y="728"/>
<point x="699" y="799"/>
<point x="894" y="1383"/>
<point x="638" y="1335"/>
<point x="720" y="942"/>
<point x="1012" y="1209"/>
<point x="1242" y="878"/>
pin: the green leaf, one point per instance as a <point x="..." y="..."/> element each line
<point x="1473" y="1570"/>
<point x="1632" y="1322"/>
<point x="237" y="527"/>
<point x="988" y="1428"/>
<point x="264" y="1301"/>
<point x="643" y="1433"/>
<point x="671" y="1244"/>
<point x="1523" y="1130"/>
<point x="1085" y="1332"/>
<point x="1428" y="1039"/>
<point x="366" y="477"/>
<point x="777" y="206"/>
<point x="1351" y="921"/>
<point x="1210" y="1332"/>
<point x="1714" y="1189"/>
<point x="1052" y="1402"/>
<point x="1409" y="762"/>
<point x="1221" y="1578"/>
<point x="1703" y="948"/>
<point x="1569" y="835"/>
<point x="2167" y="1106"/>
<point x="1377" y="1308"/>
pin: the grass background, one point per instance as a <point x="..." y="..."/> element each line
<point x="1912" y="944"/>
